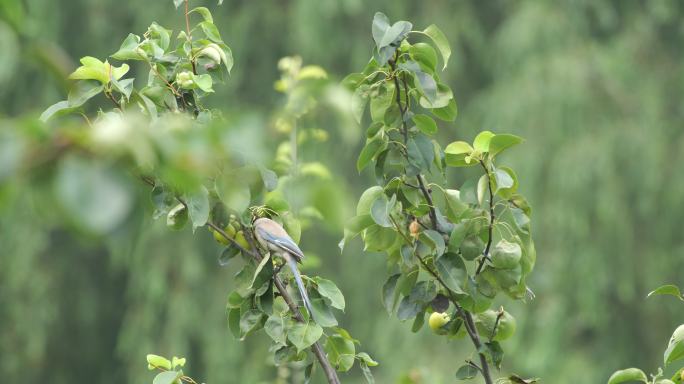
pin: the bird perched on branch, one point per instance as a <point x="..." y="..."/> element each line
<point x="272" y="236"/>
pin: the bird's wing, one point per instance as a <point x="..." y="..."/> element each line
<point x="284" y="242"/>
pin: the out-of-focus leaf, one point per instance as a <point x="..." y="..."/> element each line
<point x="629" y="374"/>
<point x="198" y="206"/>
<point x="95" y="196"/>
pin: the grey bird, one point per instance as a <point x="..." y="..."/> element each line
<point x="272" y="236"/>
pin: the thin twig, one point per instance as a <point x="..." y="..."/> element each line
<point x="496" y="323"/>
<point x="485" y="254"/>
<point x="189" y="34"/>
<point x="428" y="197"/>
<point x="111" y="97"/>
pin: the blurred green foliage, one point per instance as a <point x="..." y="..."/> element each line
<point x="594" y="86"/>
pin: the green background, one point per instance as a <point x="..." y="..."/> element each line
<point x="595" y="87"/>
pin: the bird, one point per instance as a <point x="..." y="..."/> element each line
<point x="273" y="237"/>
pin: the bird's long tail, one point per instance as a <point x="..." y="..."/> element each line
<point x="292" y="263"/>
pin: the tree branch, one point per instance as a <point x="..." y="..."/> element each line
<point x="467" y="321"/>
<point x="428" y="198"/>
<point x="467" y="317"/>
<point x="189" y="34"/>
<point x="485" y="254"/>
<point x="403" y="109"/>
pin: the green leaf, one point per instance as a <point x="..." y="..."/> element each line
<point x="506" y="176"/>
<point x="341" y="352"/>
<point x="210" y="31"/>
<point x="329" y="290"/>
<point x="204" y="82"/>
<point x="381" y="101"/>
<point x="79" y="94"/>
<point x="227" y="57"/>
<point x="428" y="87"/>
<point x="94" y="69"/>
<point x="425" y="124"/>
<point x="256" y="280"/>
<point x="234" y="322"/>
<point x="456" y="153"/>
<point x="425" y="55"/>
<point x="466" y="372"/>
<point x="455" y="207"/>
<point x="379" y="27"/>
<point x="500" y="142"/>
<point x="418" y="322"/>
<point x="125" y="87"/>
<point x="303" y="335"/>
<point x="269" y="178"/>
<point x="669" y="289"/>
<point x="158" y="361"/>
<point x="421" y="295"/>
<point x="367" y="198"/>
<point x="232" y="192"/>
<point x="629" y="374"/>
<point x="167" y="377"/>
<point x="372" y="148"/>
<point x="322" y="313"/>
<point x="59" y="108"/>
<point x="434" y="240"/>
<point x="95" y="196"/>
<point x="363" y="356"/>
<point x="84" y="91"/>
<point x="356" y="225"/>
<point x="384" y="35"/>
<point x="359" y="101"/>
<point x="178" y="3"/>
<point x="503" y="179"/>
<point x="421" y="152"/>
<point x="495" y="352"/>
<point x="447" y="113"/>
<point x="452" y="270"/>
<point x="228" y="254"/>
<point x="378" y="239"/>
<point x="198" y="207"/>
<point x="388" y="293"/>
<point x="129" y="49"/>
<point x="675" y="349"/>
<point x="506" y="255"/>
<point x="440" y="99"/>
<point x="367" y="374"/>
<point x="395" y="33"/>
<point x="204" y="12"/>
<point x="177" y="217"/>
<point x="481" y="142"/>
<point x="250" y="321"/>
<point x="381" y="210"/>
<point x="440" y="41"/>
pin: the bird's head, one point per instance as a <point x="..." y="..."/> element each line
<point x="262" y="211"/>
